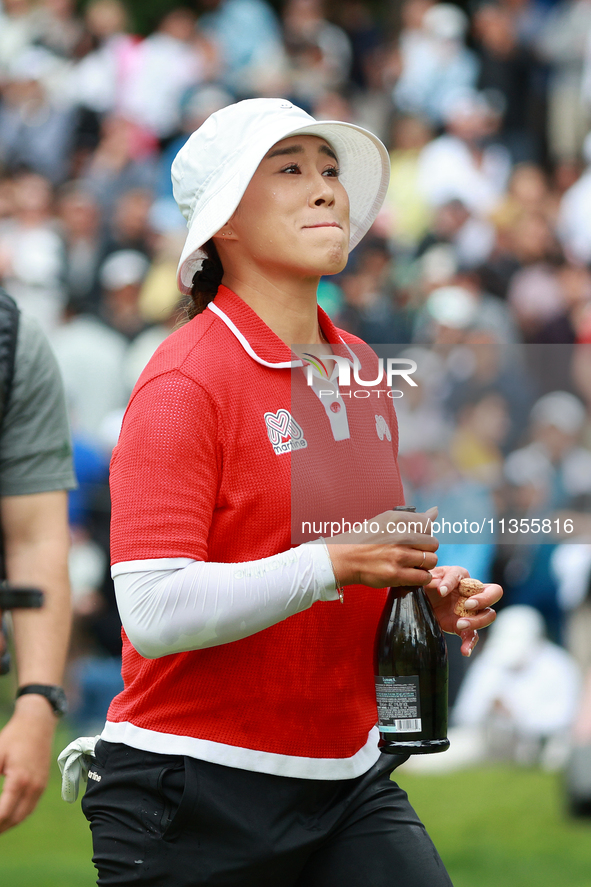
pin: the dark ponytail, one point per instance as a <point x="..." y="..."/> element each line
<point x="206" y="281"/>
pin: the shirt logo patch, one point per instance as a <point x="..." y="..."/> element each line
<point x="382" y="428"/>
<point x="282" y="425"/>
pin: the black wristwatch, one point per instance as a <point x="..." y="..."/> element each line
<point x="54" y="695"/>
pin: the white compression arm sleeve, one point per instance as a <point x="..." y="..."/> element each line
<point x="205" y="604"/>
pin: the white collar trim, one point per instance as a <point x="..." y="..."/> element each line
<point x="284" y="364"/>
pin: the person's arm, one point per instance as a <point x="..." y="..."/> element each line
<point x="36" y="541"/>
<point x="175" y="605"/>
<point x="35" y="471"/>
<point x="203" y="605"/>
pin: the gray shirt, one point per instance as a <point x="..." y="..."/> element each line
<point x="35" y="446"/>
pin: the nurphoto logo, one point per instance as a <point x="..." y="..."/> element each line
<point x="395" y="368"/>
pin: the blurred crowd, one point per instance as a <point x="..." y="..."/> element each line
<point x="479" y="264"/>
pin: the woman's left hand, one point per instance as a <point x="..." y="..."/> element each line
<point x="443" y="592"/>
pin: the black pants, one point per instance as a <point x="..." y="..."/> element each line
<point x="169" y="821"/>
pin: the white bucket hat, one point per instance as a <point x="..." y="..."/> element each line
<point x="213" y="168"/>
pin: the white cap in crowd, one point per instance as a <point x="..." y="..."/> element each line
<point x="123" y="268"/>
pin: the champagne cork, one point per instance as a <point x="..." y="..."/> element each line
<point x="468" y="587"/>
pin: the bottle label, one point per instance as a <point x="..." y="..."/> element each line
<point x="399" y="709"/>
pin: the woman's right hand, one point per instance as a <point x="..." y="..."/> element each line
<point x="381" y="556"/>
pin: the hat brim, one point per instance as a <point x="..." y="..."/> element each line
<point x="364" y="172"/>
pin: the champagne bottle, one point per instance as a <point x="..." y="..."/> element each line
<point x="411" y="673"/>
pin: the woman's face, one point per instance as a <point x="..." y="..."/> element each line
<point x="294" y="215"/>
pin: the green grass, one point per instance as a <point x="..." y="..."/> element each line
<point x="493" y="826"/>
<point x="503" y="826"/>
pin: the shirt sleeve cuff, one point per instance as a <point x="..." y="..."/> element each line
<point x="326" y="585"/>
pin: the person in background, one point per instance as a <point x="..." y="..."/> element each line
<point x="35" y="473"/>
<point x="508" y="68"/>
<point x="82" y="246"/>
<point x="467" y="162"/>
<point x="130" y="227"/>
<point x="319" y="53"/>
<point x="573" y="226"/>
<point x="31" y="252"/>
<point x="248" y="38"/>
<point x="60" y="28"/>
<point x="407" y="212"/>
<point x="172" y="60"/>
<point x="37" y="129"/>
<point x="121" y="277"/>
<point x="521" y="693"/>
<point x="17" y="28"/>
<point x="125" y="159"/>
<point x="436" y="65"/>
<point x="562" y="42"/>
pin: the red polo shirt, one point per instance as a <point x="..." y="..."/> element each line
<point x="225" y="452"/>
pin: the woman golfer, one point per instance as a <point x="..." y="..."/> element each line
<point x="243" y="750"/>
